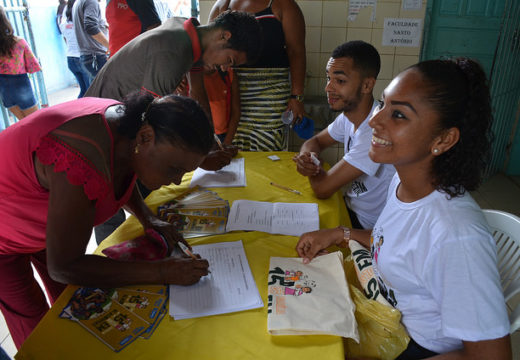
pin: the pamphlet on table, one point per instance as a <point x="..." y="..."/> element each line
<point x="229" y="287"/>
<point x="196" y="212"/>
<point x="118" y="316"/>
<point x="232" y="175"/>
<point x="275" y="218"/>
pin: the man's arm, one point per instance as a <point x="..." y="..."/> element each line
<point x="198" y="91"/>
<point x="324" y="183"/>
<point x="146" y="12"/>
<point x="234" y="117"/>
<point x="92" y="22"/>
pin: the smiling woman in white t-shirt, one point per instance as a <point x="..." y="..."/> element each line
<point x="432" y="252"/>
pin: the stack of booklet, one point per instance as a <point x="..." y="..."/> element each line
<point x="118" y="316"/>
<point x="196" y="212"/>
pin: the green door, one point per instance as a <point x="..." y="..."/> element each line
<point x="463" y="28"/>
<point x="485" y="30"/>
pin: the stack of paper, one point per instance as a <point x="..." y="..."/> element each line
<point x="275" y="218"/>
<point x="196" y="212"/>
<point x="229" y="287"/>
<point x="232" y="175"/>
<point x="118" y="316"/>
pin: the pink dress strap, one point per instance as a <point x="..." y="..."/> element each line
<point x="80" y="171"/>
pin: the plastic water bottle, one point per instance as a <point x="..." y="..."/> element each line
<point x="287" y="117"/>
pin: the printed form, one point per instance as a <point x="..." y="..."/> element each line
<point x="275" y="218"/>
<point x="229" y="288"/>
<point x="232" y="175"/>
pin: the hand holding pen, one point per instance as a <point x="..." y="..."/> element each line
<point x="188" y="252"/>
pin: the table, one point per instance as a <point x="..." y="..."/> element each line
<point x="241" y="335"/>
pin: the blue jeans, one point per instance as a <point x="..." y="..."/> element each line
<point x="93" y="63"/>
<point x="82" y="77"/>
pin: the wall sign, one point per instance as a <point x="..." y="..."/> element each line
<point x="402" y="32"/>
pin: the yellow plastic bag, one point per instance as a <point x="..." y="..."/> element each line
<point x="381" y="334"/>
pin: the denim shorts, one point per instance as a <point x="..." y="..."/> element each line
<point x="16" y="90"/>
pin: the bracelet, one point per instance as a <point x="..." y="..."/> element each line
<point x="297" y="97"/>
<point x="346" y="237"/>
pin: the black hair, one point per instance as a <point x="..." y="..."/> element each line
<point x="246" y="33"/>
<point x="177" y="119"/>
<point x="458" y="91"/>
<point x="68" y="10"/>
<point x="7" y="38"/>
<point x="365" y="56"/>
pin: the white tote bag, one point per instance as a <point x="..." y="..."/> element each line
<point x="310" y="299"/>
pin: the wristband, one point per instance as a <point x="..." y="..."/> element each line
<point x="346" y="237"/>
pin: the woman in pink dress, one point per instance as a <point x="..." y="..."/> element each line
<point x="67" y="168"/>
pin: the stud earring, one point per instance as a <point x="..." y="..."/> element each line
<point x="136" y="149"/>
<point x="435" y="151"/>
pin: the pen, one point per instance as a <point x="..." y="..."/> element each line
<point x="286" y="188"/>
<point x="218" y="142"/>
<point x="188" y="252"/>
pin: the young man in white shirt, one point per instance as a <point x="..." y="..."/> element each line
<point x="351" y="75"/>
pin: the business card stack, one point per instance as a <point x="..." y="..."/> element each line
<point x="196" y="212"/>
<point x="118" y="316"/>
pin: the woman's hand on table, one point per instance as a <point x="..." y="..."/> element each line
<point x="182" y="271"/>
<point x="305" y="164"/>
<point x="217" y="159"/>
<point x="314" y="243"/>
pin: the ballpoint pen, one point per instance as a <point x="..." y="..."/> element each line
<point x="188" y="252"/>
<point x="218" y="142"/>
<point x="286" y="188"/>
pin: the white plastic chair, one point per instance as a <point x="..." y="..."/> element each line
<point x="506" y="231"/>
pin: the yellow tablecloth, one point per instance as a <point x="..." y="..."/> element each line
<point x="240" y="335"/>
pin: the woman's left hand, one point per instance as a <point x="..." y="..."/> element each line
<point x="296" y="107"/>
<point x="168" y="231"/>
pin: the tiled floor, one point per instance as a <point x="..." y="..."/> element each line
<point x="499" y="192"/>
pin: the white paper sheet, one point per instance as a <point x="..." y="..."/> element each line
<point x="232" y="175"/>
<point x="275" y="218"/>
<point x="229" y="288"/>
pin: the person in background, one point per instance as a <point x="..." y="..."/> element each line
<point x="127" y="19"/>
<point x="432" y="253"/>
<point x="275" y="82"/>
<point x="224" y="101"/>
<point x="69" y="167"/>
<point x="91" y="33"/>
<point x="73" y="55"/>
<point x="351" y="75"/>
<point x="16" y="61"/>
<point x="158" y="60"/>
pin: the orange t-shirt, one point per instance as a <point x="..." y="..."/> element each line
<point x="219" y="96"/>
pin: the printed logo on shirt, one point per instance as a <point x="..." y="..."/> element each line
<point x="377" y="240"/>
<point x="122" y="5"/>
<point x="358" y="187"/>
